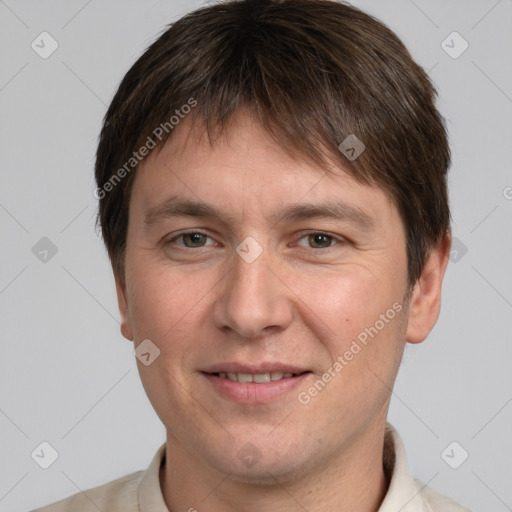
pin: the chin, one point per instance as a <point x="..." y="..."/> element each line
<point x="267" y="475"/>
<point x="258" y="461"/>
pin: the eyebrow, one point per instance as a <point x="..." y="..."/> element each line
<point x="174" y="207"/>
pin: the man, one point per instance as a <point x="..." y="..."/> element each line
<point x="272" y="186"/>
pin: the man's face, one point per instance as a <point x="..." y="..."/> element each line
<point x="305" y="291"/>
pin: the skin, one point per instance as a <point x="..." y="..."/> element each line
<point x="301" y="302"/>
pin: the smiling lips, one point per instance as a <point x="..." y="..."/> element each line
<point x="247" y="385"/>
<point x="259" y="378"/>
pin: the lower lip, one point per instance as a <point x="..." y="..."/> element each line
<point x="253" y="393"/>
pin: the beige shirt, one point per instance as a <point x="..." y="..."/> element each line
<point x="141" y="492"/>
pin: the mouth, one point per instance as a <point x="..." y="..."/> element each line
<point x="257" y="385"/>
<point x="258" y="378"/>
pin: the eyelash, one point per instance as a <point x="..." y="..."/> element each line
<point x="304" y="235"/>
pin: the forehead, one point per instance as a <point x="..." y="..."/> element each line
<point x="245" y="166"/>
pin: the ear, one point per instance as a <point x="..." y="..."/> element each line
<point x="425" y="301"/>
<point x="126" y="325"/>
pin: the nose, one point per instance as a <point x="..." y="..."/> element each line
<point x="253" y="299"/>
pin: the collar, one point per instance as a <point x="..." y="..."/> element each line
<point x="149" y="492"/>
<point x="403" y="493"/>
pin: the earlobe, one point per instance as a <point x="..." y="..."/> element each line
<point x="425" y="301"/>
<point x="126" y="326"/>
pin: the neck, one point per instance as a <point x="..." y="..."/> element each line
<point x="353" y="479"/>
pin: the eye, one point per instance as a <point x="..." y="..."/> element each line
<point x="319" y="240"/>
<point x="191" y="240"/>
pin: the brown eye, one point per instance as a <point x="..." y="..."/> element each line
<point x="195" y="239"/>
<point x="320" y="240"/>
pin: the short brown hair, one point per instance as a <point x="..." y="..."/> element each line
<point x="313" y="72"/>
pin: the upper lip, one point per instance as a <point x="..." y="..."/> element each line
<point x="236" y="367"/>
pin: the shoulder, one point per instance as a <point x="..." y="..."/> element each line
<point x="115" y="496"/>
<point x="436" y="502"/>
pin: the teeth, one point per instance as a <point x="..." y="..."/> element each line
<point x="258" y="377"/>
<point x="261" y="377"/>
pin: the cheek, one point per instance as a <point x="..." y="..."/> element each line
<point x="163" y="307"/>
<point x="159" y="301"/>
<point x="359" y="320"/>
<point x="344" y="303"/>
<point x="171" y="307"/>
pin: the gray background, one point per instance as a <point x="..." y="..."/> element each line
<point x="68" y="377"/>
